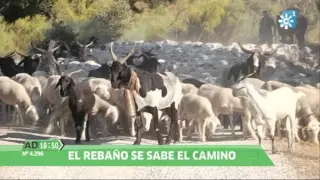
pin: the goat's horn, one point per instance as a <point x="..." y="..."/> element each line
<point x="38" y="49"/>
<point x="79" y="44"/>
<point x="70" y="74"/>
<point x="245" y="50"/>
<point x="39" y="63"/>
<point x="10" y="54"/>
<point x="114" y="57"/>
<point x="21" y="54"/>
<point x="271" y="52"/>
<point x="244" y="77"/>
<point x="54" y="49"/>
<point x="89" y="44"/>
<point x="122" y="60"/>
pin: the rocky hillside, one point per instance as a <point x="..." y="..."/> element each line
<point x="208" y="61"/>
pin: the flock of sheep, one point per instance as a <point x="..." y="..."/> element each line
<point x="57" y="98"/>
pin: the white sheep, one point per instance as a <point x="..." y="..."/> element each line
<point x="95" y="105"/>
<point x="189" y="88"/>
<point x="100" y="86"/>
<point x="32" y="85"/>
<point x="270" y="106"/>
<point x="197" y="108"/>
<point x="13" y="93"/>
<point x="54" y="103"/>
<point x="223" y="102"/>
<point x="307" y="107"/>
<point x="42" y="76"/>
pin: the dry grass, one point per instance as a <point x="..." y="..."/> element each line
<point x="305" y="159"/>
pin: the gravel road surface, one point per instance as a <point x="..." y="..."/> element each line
<point x="283" y="168"/>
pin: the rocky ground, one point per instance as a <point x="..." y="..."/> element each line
<point x="207" y="61"/>
<point x="300" y="165"/>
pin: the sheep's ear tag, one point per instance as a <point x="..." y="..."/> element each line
<point x="33" y="57"/>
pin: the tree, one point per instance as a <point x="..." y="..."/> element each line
<point x="13" y="10"/>
<point x="80" y="10"/>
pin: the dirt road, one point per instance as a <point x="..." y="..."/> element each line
<point x="286" y="166"/>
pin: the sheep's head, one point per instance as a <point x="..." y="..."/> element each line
<point x="32" y="113"/>
<point x="65" y="82"/>
<point x="312" y="129"/>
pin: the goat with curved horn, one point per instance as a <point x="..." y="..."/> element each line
<point x="124" y="59"/>
<point x="87" y="45"/>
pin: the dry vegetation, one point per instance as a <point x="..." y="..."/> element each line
<point x="222" y="21"/>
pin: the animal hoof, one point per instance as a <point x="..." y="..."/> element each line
<point x="47" y="131"/>
<point x="78" y="142"/>
<point x="274" y="152"/>
<point x="209" y="138"/>
<point x="160" y="142"/>
<point x="88" y="140"/>
<point x="136" y="143"/>
<point x="167" y="142"/>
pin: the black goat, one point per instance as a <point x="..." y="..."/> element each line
<point x="252" y="66"/>
<point x="149" y="63"/>
<point x="30" y="63"/>
<point x="77" y="105"/>
<point x="83" y="55"/>
<point x="8" y="66"/>
<point x="104" y="70"/>
<point x="27" y="65"/>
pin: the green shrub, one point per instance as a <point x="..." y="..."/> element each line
<point x="6" y="40"/>
<point x="29" y="29"/>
